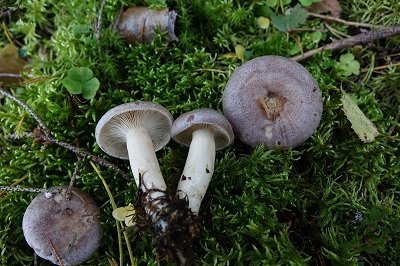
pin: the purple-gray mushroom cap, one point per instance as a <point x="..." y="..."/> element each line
<point x="274" y="101"/>
<point x="65" y="232"/>
<point x="186" y="123"/>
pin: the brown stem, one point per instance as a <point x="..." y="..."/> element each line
<point x="361" y="38"/>
<point x="350" y="23"/>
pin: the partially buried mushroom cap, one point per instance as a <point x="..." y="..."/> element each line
<point x="65" y="232"/>
<point x="111" y="130"/>
<point x="272" y="100"/>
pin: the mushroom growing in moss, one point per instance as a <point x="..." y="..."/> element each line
<point x="61" y="230"/>
<point x="274" y="101"/>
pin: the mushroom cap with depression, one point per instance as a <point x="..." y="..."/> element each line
<point x="65" y="232"/>
<point x="272" y="100"/>
<point x="112" y="128"/>
<point x="186" y="123"/>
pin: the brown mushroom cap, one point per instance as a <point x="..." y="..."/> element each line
<point x="186" y="123"/>
<point x="112" y="128"/>
<point x="63" y="231"/>
<point x="272" y="100"/>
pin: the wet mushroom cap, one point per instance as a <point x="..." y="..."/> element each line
<point x="186" y="123"/>
<point x="63" y="231"/>
<point x="272" y="100"/>
<point x="112" y="128"/>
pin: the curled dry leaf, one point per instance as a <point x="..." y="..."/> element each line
<point x="326" y="6"/>
<point x="140" y="24"/>
<point x="11" y="63"/>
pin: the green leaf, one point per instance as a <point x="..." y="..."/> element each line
<point x="81" y="80"/>
<point x="90" y="88"/>
<point x="361" y="125"/>
<point x="308" y="2"/>
<point x="294" y="17"/>
<point x="348" y="65"/>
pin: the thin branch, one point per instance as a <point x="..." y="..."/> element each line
<point x="361" y="38"/>
<point x="43" y="135"/>
<point x="26" y="107"/>
<point x="10" y="75"/>
<point x="8" y="12"/>
<point x="381" y="67"/>
<point x="350" y="23"/>
<point x="73" y="178"/>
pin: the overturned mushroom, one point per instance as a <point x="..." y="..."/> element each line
<point x="274" y="101"/>
<point x="206" y="131"/>
<point x="135" y="131"/>
<point x="140" y="24"/>
<point x="63" y="231"/>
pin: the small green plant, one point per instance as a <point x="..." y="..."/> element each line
<point x="292" y="19"/>
<point x="80" y="80"/>
<point x="348" y="65"/>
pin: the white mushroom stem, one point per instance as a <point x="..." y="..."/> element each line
<point x="144" y="164"/>
<point x="199" y="168"/>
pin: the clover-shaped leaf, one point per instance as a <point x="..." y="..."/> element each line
<point x="292" y="19"/>
<point x="348" y="65"/>
<point x="80" y="80"/>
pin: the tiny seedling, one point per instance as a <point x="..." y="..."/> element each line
<point x="80" y="80"/>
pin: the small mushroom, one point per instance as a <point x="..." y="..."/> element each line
<point x="63" y="231"/>
<point x="140" y="24"/>
<point x="272" y="100"/>
<point x="135" y="131"/>
<point x="206" y="131"/>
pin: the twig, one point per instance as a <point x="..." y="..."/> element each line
<point x="73" y="178"/>
<point x="10" y="75"/>
<point x="361" y="38"/>
<point x="381" y="67"/>
<point x="350" y="23"/>
<point x="98" y="21"/>
<point x="44" y="135"/>
<point x="2" y="193"/>
<point x="8" y="12"/>
<point x="27" y="108"/>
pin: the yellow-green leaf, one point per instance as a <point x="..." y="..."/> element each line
<point x="263" y="22"/>
<point x="363" y="127"/>
<point x="122" y="213"/>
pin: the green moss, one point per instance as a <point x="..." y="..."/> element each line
<point x="263" y="207"/>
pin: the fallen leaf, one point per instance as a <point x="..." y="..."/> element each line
<point x="125" y="214"/>
<point x="326" y="6"/>
<point x="11" y="63"/>
<point x="361" y="125"/>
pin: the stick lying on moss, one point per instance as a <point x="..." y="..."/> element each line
<point x="361" y="38"/>
<point x="42" y="134"/>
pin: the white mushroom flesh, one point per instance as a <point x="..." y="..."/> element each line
<point x="199" y="168"/>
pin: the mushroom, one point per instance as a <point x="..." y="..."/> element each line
<point x="206" y="131"/>
<point x="65" y="232"/>
<point x="135" y="131"/>
<point x="140" y="24"/>
<point x="274" y="101"/>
